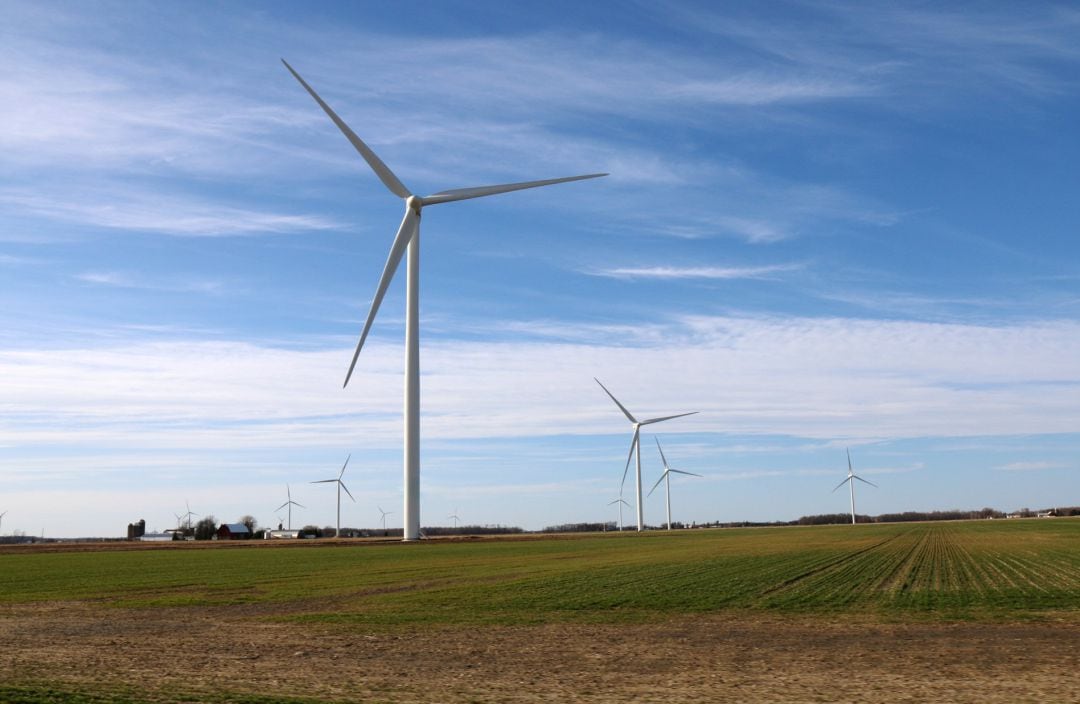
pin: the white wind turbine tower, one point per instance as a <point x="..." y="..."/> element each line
<point x="850" y="481"/>
<point x="2" y="519"/>
<point x="666" y="478"/>
<point x="622" y="502"/>
<point x="384" y="515"/>
<point x="408" y="238"/>
<point x="187" y="517"/>
<point x="453" y="516"/>
<point x="635" y="448"/>
<point x="290" y="503"/>
<point x="340" y="486"/>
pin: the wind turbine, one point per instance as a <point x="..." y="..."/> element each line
<point x="455" y="518"/>
<point x="187" y="516"/>
<point x="851" y="476"/>
<point x="635" y="447"/>
<point x="408" y="238"/>
<point x="340" y="486"/>
<point x="666" y="478"/>
<point x="622" y="502"/>
<point x="2" y="519"/>
<point x="384" y="515"/>
<point x="290" y="503"/>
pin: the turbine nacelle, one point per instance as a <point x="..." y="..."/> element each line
<point x="414" y="203"/>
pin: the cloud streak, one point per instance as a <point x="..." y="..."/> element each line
<point x="803" y="377"/>
<point x="696" y="272"/>
<point x="135" y="210"/>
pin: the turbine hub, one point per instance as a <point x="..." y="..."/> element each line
<point x="414" y="203"/>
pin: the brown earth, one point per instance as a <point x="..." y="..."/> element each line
<point x="726" y="657"/>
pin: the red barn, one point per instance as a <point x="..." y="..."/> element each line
<point x="233" y="531"/>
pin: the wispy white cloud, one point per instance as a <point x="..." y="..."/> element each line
<point x="1029" y="466"/>
<point x="901" y="49"/>
<point x="105" y="279"/>
<point x="696" y="272"/>
<point x="12" y="260"/>
<point x="766" y="90"/>
<point x="119" y="280"/>
<point x="801" y="377"/>
<point x="137" y="210"/>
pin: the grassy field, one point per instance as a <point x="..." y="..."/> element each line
<point x="966" y="611"/>
<point x="989" y="570"/>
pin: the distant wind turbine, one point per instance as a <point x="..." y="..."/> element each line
<point x="851" y="476"/>
<point x="187" y="516"/>
<point x="408" y="238"/>
<point x="622" y="502"/>
<point x="340" y="486"/>
<point x="666" y="478"/>
<point x="455" y="518"/>
<point x="290" y="503"/>
<point x="384" y="515"/>
<point x="635" y="448"/>
<point x="2" y="519"/>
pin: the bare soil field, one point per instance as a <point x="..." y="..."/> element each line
<point x="197" y="654"/>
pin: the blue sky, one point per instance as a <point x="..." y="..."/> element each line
<point x="827" y="225"/>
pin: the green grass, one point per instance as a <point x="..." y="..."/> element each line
<point x="969" y="570"/>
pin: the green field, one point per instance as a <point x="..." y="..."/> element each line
<point x="961" y="570"/>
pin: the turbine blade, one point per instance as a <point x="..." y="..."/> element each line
<point x="342" y="472"/>
<point x="664" y="459"/>
<point x="324" y="481"/>
<point x="480" y="191"/>
<point x="657" y="483"/>
<point x="409" y="225"/>
<point x="381" y="170"/>
<point x="282" y="506"/>
<point x="621" y="407"/>
<point x="849" y="469"/>
<point x="846" y="480"/>
<point x="296" y="504"/>
<point x="657" y="420"/>
<point x="680" y="471"/>
<point x="855" y="476"/>
<point x="633" y="444"/>
<point x="346" y="489"/>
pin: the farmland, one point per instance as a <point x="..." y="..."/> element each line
<point x="374" y="611"/>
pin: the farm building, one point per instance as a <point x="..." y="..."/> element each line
<point x="157" y="537"/>
<point x="275" y="534"/>
<point x="233" y="531"/>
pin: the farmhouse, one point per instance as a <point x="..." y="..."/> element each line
<point x="233" y="531"/>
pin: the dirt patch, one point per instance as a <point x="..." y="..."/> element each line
<point x="742" y="656"/>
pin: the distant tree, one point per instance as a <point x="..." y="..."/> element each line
<point x="206" y="528"/>
<point x="250" y="522"/>
<point x="311" y="530"/>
